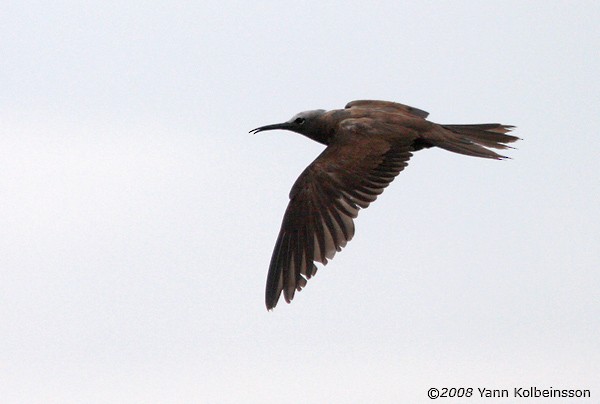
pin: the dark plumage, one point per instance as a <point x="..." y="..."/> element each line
<point x="368" y="144"/>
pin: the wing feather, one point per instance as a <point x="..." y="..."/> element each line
<point x="389" y="106"/>
<point x="325" y="199"/>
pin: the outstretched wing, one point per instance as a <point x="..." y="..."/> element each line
<point x="325" y="199"/>
<point x="388" y="106"/>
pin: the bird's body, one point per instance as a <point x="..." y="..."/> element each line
<point x="368" y="144"/>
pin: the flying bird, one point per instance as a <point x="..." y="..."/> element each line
<point x="368" y="144"/>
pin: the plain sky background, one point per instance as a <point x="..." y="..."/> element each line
<point x="138" y="216"/>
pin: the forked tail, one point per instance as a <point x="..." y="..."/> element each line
<point x="474" y="140"/>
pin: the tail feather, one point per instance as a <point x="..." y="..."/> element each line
<point x="474" y="140"/>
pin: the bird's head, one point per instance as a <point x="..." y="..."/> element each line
<point x="305" y="123"/>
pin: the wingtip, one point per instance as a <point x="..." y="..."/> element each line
<point x="271" y="301"/>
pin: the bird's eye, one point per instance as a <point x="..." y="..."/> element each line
<point x="299" y="121"/>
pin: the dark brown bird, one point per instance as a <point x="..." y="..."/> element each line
<point x="368" y="144"/>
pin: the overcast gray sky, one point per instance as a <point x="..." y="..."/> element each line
<point x="138" y="216"/>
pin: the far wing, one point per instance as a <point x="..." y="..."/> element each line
<point x="388" y="106"/>
<point x="325" y="199"/>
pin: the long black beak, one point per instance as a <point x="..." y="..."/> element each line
<point x="284" y="125"/>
